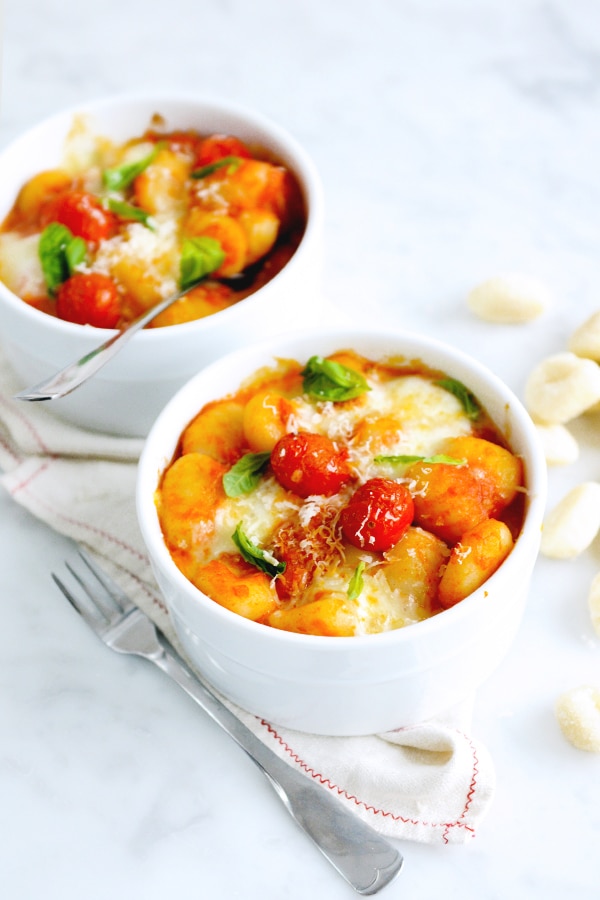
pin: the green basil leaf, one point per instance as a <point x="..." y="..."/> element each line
<point x="468" y="401"/>
<point x="59" y="252"/>
<point x="253" y="554"/>
<point x="75" y="252"/>
<point x="325" y="379"/>
<point x="128" y="211"/>
<point x="120" y="177"/>
<point x="244" y="476"/>
<point x="199" y="257"/>
<point x="406" y="460"/>
<point x="234" y="162"/>
<point x="356" y="582"/>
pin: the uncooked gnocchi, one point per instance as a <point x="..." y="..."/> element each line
<point x="509" y="299"/>
<point x="571" y="526"/>
<point x="585" y="340"/>
<point x="594" y="603"/>
<point x="558" y="445"/>
<point x="578" y="715"/>
<point x="561" y="387"/>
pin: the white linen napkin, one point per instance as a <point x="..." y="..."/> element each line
<point x="431" y="782"/>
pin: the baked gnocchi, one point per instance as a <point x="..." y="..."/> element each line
<point x="342" y="496"/>
<point x="118" y="227"/>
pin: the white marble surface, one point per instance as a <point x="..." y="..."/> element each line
<point x="456" y="139"/>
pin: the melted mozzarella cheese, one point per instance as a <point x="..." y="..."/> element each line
<point x="154" y="251"/>
<point x="260" y="512"/>
<point x="20" y="267"/>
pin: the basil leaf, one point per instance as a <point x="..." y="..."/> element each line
<point x="405" y="460"/>
<point x="233" y="161"/>
<point x="325" y="379"/>
<point x="244" y="476"/>
<point x="199" y="257"/>
<point x="120" y="177"/>
<point x="59" y="252"/>
<point x="127" y="211"/>
<point x="356" y="582"/>
<point x="468" y="401"/>
<point x="75" y="252"/>
<point x="262" y="559"/>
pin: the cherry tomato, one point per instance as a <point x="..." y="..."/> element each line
<point x="89" y="300"/>
<point x="83" y="214"/>
<point x="308" y="464"/>
<point x="218" y="146"/>
<point x="377" y="515"/>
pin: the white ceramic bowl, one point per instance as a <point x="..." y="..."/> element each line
<point x="347" y="685"/>
<point x="125" y="397"/>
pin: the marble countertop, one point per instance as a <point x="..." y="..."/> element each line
<point x="456" y="140"/>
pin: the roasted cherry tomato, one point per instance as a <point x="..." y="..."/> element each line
<point x="89" y="300"/>
<point x="218" y="146"/>
<point x="377" y="515"/>
<point x="308" y="464"/>
<point x="83" y="214"/>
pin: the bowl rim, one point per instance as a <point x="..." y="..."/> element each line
<point x="307" y="174"/>
<point x="525" y="547"/>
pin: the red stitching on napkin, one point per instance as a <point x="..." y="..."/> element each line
<point x="38" y="438"/>
<point x="7" y="447"/>
<point x="27" y="481"/>
<point x="470" y="792"/>
<point x="326" y="782"/>
<point x="55" y="511"/>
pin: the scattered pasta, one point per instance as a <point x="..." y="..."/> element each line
<point x="559" y="446"/>
<point x="585" y="340"/>
<point x="562" y="387"/>
<point x="578" y="715"/>
<point x="571" y="526"/>
<point x="594" y="603"/>
<point x="509" y="299"/>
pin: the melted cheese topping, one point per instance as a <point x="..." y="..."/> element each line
<point x="329" y="586"/>
<point x="426" y="415"/>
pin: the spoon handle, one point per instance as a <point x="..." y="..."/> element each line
<point x="75" y="374"/>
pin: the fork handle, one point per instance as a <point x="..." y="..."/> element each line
<point x="365" y="859"/>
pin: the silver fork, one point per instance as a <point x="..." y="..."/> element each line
<point x="365" y="859"/>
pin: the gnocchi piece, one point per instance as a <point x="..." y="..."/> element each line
<point x="585" y="340"/>
<point x="578" y="716"/>
<point x="161" y="186"/>
<point x="594" y="603"/>
<point x="497" y="465"/>
<point x="558" y="444"/>
<point x="473" y="560"/>
<point x="202" y="301"/>
<point x="571" y="526"/>
<point x="265" y="420"/>
<point x="227" y="231"/>
<point x="40" y="189"/>
<point x="216" y="431"/>
<point x="261" y="228"/>
<point x="190" y="494"/>
<point x="561" y="387"/>
<point x="329" y="616"/>
<point x="413" y="567"/>
<point x="235" y="584"/>
<point x="447" y="499"/>
<point x="450" y="499"/>
<point x="509" y="299"/>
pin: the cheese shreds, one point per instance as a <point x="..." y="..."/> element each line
<point x="154" y="251"/>
<point x="330" y="582"/>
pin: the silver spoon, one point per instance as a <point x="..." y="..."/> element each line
<point x="75" y="374"/>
